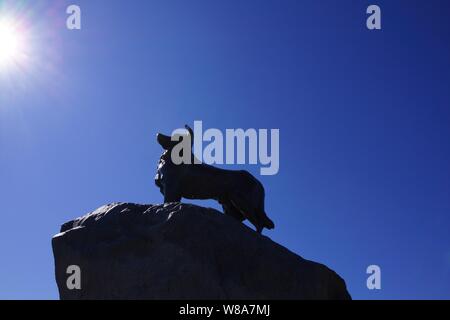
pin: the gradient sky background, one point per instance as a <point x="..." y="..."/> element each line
<point x="363" y="117"/>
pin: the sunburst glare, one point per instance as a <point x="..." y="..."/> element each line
<point x="30" y="51"/>
<point x="12" y="44"/>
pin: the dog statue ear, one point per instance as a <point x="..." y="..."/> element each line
<point x="191" y="133"/>
<point x="165" y="141"/>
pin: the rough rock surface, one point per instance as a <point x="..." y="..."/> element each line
<point x="182" y="251"/>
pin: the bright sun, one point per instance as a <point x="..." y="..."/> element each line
<point x="10" y="44"/>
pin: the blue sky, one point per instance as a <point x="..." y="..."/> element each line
<point x="363" y="116"/>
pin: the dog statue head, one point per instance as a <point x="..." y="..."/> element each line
<point x="168" y="142"/>
<point x="165" y="161"/>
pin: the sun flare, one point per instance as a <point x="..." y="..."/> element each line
<point x="11" y="44"/>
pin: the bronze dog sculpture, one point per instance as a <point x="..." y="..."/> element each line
<point x="240" y="194"/>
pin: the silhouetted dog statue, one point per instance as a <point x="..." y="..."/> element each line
<point x="240" y="194"/>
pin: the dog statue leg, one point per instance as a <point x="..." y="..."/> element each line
<point x="248" y="212"/>
<point x="230" y="210"/>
